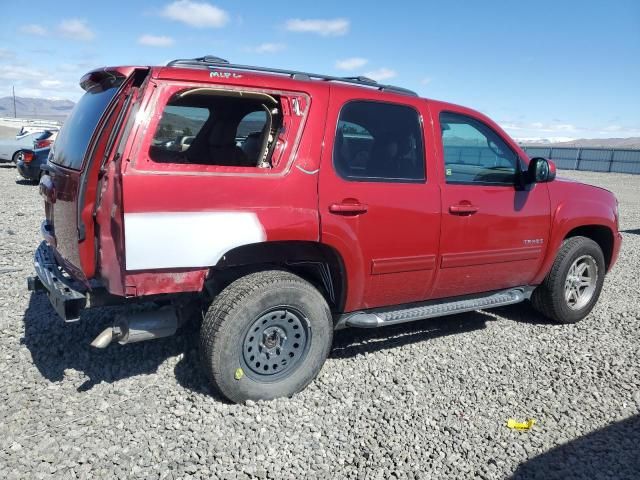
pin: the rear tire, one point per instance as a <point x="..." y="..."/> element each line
<point x="572" y="287"/>
<point x="265" y="336"/>
<point x="16" y="157"/>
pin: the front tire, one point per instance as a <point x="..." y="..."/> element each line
<point x="265" y="336"/>
<point x="572" y="287"/>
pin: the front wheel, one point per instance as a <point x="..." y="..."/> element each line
<point x="572" y="287"/>
<point x="265" y="336"/>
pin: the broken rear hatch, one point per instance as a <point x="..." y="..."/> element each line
<point x="69" y="184"/>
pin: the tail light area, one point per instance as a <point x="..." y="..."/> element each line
<point x="43" y="143"/>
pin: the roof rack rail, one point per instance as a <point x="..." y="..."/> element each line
<point x="210" y="61"/>
<point x="207" y="59"/>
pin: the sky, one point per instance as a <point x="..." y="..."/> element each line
<point x="559" y="69"/>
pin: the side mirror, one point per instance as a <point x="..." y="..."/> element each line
<point x="541" y="170"/>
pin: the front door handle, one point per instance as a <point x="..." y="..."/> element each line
<point x="463" y="209"/>
<point x="348" y="208"/>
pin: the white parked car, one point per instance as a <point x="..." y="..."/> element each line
<point x="11" y="147"/>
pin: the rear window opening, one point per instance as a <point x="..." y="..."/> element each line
<point x="74" y="137"/>
<point x="218" y="127"/>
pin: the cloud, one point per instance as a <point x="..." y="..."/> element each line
<point x="621" y="130"/>
<point x="563" y="127"/>
<point x="17" y="72"/>
<point x="6" y="54"/>
<point x="541" y="127"/>
<point x="556" y="131"/>
<point x="196" y="14"/>
<point x="268" y="48"/>
<point x="155" y="41"/>
<point x="351" y="63"/>
<point x="33" y="29"/>
<point x="327" y="28"/>
<point x="381" y="74"/>
<point x="34" y="80"/>
<point x="76" y="29"/>
<point x="51" y="83"/>
<point x="426" y="81"/>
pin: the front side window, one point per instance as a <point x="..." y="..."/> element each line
<point x="474" y="153"/>
<point x="207" y="127"/>
<point x="378" y="141"/>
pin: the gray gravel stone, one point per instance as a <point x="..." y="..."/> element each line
<point x="425" y="400"/>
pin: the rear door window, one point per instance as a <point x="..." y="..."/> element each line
<point x="379" y="142"/>
<point x="74" y="137"/>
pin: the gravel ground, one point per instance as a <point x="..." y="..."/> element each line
<point x="424" y="400"/>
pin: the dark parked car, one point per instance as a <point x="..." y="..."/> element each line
<point x="29" y="162"/>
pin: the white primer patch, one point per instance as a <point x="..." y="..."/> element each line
<point x="186" y="239"/>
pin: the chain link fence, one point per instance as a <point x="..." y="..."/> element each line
<point x="590" y="159"/>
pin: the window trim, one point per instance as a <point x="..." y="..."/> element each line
<point x="381" y="179"/>
<point x="518" y="170"/>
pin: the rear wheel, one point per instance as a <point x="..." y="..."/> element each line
<point x="16" y="157"/>
<point x="572" y="287"/>
<point x="265" y="336"/>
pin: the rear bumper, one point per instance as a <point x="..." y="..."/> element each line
<point x="67" y="296"/>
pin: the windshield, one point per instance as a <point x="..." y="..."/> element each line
<point x="75" y="135"/>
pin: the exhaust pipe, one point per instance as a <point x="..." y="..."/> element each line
<point x="139" y="327"/>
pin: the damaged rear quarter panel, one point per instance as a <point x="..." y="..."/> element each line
<point x="197" y="208"/>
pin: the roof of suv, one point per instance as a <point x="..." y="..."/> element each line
<point x="192" y="69"/>
<point x="204" y="69"/>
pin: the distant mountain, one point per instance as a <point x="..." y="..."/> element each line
<point x="631" y="142"/>
<point x="36" y="108"/>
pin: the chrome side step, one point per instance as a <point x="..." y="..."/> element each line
<point x="380" y="318"/>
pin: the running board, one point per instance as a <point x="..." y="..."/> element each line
<point x="380" y="318"/>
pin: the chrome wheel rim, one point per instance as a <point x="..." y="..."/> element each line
<point x="580" y="284"/>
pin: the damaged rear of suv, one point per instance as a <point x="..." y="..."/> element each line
<point x="168" y="184"/>
<point x="278" y="206"/>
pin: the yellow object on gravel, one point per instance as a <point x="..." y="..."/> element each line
<point x="515" y="425"/>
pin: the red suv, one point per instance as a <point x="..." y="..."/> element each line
<point x="303" y="204"/>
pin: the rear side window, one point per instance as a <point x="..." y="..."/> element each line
<point x="379" y="142"/>
<point x="209" y="127"/>
<point x="474" y="153"/>
<point x="74" y="137"/>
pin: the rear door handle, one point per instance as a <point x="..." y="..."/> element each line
<point x="348" y="208"/>
<point x="463" y="209"/>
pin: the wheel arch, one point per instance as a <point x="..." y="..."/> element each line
<point x="600" y="234"/>
<point x="318" y="263"/>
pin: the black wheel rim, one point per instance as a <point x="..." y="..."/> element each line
<point x="275" y="344"/>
